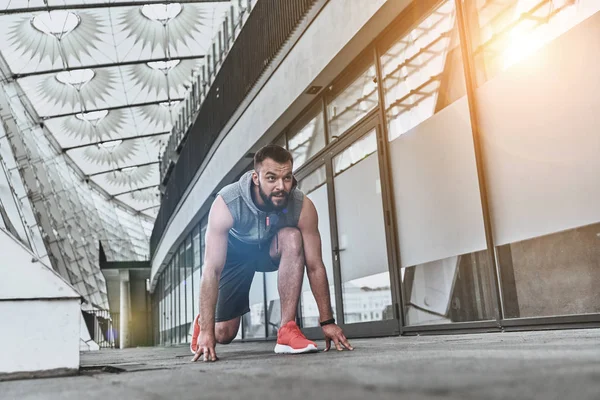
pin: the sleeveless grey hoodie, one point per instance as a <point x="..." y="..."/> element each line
<point x="249" y="222"/>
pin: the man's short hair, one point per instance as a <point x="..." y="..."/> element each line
<point x="275" y="153"/>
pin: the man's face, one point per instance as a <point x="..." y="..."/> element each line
<point x="274" y="182"/>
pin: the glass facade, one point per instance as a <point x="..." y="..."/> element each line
<point x="438" y="206"/>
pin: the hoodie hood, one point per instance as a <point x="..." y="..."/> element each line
<point x="245" y="184"/>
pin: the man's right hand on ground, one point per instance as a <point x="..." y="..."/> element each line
<point x="206" y="346"/>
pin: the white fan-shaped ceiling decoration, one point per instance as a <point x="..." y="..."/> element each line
<point x="95" y="125"/>
<point x="112" y="152"/>
<point x="104" y="79"/>
<point x="129" y="176"/>
<point x="144" y="196"/>
<point x="149" y="24"/>
<point x="159" y="141"/>
<point x="163" y="113"/>
<point x="58" y="35"/>
<point x="162" y="76"/>
<point x="73" y="88"/>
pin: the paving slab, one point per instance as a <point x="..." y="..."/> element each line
<point x="516" y="365"/>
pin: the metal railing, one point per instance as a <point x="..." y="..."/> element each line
<point x="104" y="328"/>
<point x="222" y="84"/>
<point x="202" y="80"/>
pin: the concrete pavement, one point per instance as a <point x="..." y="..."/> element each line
<point x="524" y="365"/>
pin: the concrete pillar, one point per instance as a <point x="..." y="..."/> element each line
<point x="124" y="309"/>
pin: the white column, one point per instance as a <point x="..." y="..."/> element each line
<point x="124" y="309"/>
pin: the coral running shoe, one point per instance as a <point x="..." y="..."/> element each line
<point x="195" y="334"/>
<point x="290" y="340"/>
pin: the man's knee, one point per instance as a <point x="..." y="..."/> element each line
<point x="225" y="332"/>
<point x="290" y="239"/>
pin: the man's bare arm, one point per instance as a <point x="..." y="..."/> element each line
<point x="219" y="223"/>
<point x="317" y="276"/>
<point x="315" y="269"/>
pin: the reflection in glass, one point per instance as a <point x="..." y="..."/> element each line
<point x="506" y="33"/>
<point x="254" y="321"/>
<point x="366" y="288"/>
<point x="422" y="71"/>
<point x="307" y="138"/>
<point x="352" y="103"/>
<point x="315" y="188"/>
<point x="455" y="289"/>
<point x="203" y="227"/>
<point x="313" y="181"/>
<point x="358" y="151"/>
<point x="196" y="239"/>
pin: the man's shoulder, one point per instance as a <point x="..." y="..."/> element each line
<point x="230" y="192"/>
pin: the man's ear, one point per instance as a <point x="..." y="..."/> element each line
<point x="255" y="177"/>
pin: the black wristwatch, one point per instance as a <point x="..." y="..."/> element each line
<point x="328" y="322"/>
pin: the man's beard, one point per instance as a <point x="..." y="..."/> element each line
<point x="267" y="199"/>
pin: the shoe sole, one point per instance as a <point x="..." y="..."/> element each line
<point x="283" y="349"/>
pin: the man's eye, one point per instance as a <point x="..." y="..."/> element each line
<point x="270" y="179"/>
<point x="288" y="178"/>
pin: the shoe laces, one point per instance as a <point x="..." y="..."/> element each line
<point x="295" y="332"/>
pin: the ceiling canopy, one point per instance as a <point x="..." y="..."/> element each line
<point x="106" y="80"/>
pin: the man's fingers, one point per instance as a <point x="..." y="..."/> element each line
<point x="327" y="344"/>
<point x="338" y="346"/>
<point x="206" y="354"/>
<point x="346" y="343"/>
<point x="197" y="355"/>
<point x="210" y="354"/>
<point x="213" y="354"/>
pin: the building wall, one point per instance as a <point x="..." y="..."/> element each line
<point x="140" y="327"/>
<point x="40" y="335"/>
<point x="538" y="129"/>
<point x="304" y="66"/>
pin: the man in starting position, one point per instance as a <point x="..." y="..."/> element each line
<point x="262" y="223"/>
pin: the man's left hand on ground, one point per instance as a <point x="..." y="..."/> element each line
<point x="334" y="332"/>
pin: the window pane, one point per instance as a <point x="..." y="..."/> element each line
<point x="273" y="303"/>
<point x="542" y="175"/>
<point x="254" y="321"/>
<point x="307" y="137"/>
<point x="203" y="227"/>
<point x="358" y="151"/>
<point x="315" y="188"/>
<point x="364" y="265"/>
<point x="454" y="289"/>
<point x="351" y="102"/>
<point x="422" y="71"/>
<point x="313" y="181"/>
<point x="196" y="238"/>
<point x="552" y="275"/>
<point x="188" y="284"/>
<point x="444" y="278"/>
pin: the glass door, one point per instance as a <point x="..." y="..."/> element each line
<point x="360" y="244"/>
<point x="345" y="185"/>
